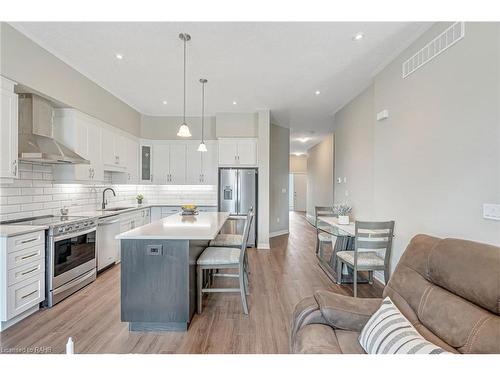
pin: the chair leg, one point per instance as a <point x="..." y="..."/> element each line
<point x="370" y="277"/>
<point x="387" y="274"/>
<point x="200" y="287"/>
<point x="242" y="292"/>
<point x="355" y="277"/>
<point x="245" y="278"/>
<point x="339" y="271"/>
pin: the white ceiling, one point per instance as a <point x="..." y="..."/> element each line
<point x="276" y="66"/>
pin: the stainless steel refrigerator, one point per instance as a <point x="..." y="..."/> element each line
<point x="237" y="193"/>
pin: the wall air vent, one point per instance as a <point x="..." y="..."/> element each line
<point x="438" y="45"/>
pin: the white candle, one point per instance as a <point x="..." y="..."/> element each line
<point x="70" y="348"/>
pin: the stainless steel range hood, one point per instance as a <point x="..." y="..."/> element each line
<point x="36" y="135"/>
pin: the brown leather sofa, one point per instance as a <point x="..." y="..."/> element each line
<point x="448" y="289"/>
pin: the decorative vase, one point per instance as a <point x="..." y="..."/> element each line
<point x="343" y="219"/>
<point x="139" y="201"/>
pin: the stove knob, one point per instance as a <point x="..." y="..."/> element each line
<point x="60" y="230"/>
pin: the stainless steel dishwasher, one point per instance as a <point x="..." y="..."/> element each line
<point x="108" y="247"/>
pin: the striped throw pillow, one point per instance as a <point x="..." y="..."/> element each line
<point x="389" y="332"/>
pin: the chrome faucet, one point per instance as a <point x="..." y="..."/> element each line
<point x="104" y="202"/>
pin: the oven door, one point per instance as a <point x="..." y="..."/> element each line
<point x="72" y="256"/>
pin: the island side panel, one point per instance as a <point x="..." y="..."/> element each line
<point x="155" y="284"/>
<point x="196" y="247"/>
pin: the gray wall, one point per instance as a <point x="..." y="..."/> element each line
<point x="26" y="63"/>
<point x="166" y="127"/>
<point x="354" y="154"/>
<point x="237" y="124"/>
<point x="436" y="159"/>
<point x="278" y="178"/>
<point x="320" y="175"/>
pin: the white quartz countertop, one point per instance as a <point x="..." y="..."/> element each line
<point x="16" y="230"/>
<point x="130" y="208"/>
<point x="203" y="226"/>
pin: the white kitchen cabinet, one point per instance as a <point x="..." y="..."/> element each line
<point x="130" y="174"/>
<point x="82" y="134"/>
<point x="201" y="167"/>
<point x="8" y="130"/>
<point x="22" y="286"/>
<point x="169" y="163"/>
<point x="238" y="152"/>
<point x="108" y="148"/>
<point x="161" y="161"/>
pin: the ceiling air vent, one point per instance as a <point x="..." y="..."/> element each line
<point x="438" y="45"/>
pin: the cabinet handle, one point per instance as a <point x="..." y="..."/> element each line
<point x="29" y="294"/>
<point x="30" y="240"/>
<point x="27" y="272"/>
<point x="14" y="167"/>
<point x="151" y="178"/>
<point x="29" y="256"/>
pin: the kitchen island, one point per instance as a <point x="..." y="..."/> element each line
<point x="158" y="270"/>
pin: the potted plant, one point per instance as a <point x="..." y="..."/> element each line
<point x="139" y="198"/>
<point x="342" y="211"/>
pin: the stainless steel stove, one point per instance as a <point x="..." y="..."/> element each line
<point x="70" y="251"/>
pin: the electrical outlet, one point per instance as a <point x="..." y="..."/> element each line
<point x="491" y="211"/>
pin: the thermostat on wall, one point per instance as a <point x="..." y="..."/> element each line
<point x="382" y="115"/>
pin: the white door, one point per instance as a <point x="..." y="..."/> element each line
<point x="132" y="160"/>
<point x="94" y="148"/>
<point x="193" y="164"/>
<point x="299" y="191"/>
<point x="177" y="164"/>
<point x="228" y="152"/>
<point x="160" y="163"/>
<point x="247" y="152"/>
<point x="209" y="165"/>
<point x="8" y="134"/>
<point x="108" y="147"/>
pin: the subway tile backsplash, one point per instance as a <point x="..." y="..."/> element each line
<point x="35" y="194"/>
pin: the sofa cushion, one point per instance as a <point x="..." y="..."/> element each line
<point x="348" y="342"/>
<point x="389" y="332"/>
<point x="454" y="265"/>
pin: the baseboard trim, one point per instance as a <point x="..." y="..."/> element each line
<point x="263" y="246"/>
<point x="278" y="233"/>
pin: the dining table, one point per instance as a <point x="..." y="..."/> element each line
<point x="343" y="239"/>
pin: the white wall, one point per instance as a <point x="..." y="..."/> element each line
<point x="26" y="63"/>
<point x="436" y="159"/>
<point x="237" y="125"/>
<point x="166" y="127"/>
<point x="279" y="155"/>
<point x="320" y="165"/>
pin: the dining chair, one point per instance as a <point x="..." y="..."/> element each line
<point x="372" y="251"/>
<point x="229" y="239"/>
<point x="214" y="259"/>
<point x="321" y="236"/>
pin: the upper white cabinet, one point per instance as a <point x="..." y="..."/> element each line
<point x="82" y="134"/>
<point x="8" y="129"/>
<point x="201" y="167"/>
<point x="169" y="163"/>
<point x="238" y="152"/>
<point x="113" y="150"/>
<point x="131" y="158"/>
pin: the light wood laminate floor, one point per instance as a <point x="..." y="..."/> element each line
<point x="279" y="278"/>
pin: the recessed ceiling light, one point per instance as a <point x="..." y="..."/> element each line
<point x="303" y="140"/>
<point x="358" y="36"/>
<point x="164" y="102"/>
<point x="234" y="102"/>
<point x="119" y="56"/>
<point x="317" y="92"/>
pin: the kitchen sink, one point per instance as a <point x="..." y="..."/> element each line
<point x="113" y="209"/>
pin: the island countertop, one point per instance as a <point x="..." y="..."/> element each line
<point x="204" y="226"/>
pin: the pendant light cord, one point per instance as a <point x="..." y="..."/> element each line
<point x="184" y="113"/>
<point x="202" y="109"/>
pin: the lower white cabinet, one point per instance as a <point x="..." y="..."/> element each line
<point x="22" y="276"/>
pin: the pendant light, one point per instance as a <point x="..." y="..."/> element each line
<point x="202" y="147"/>
<point x="184" y="129"/>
